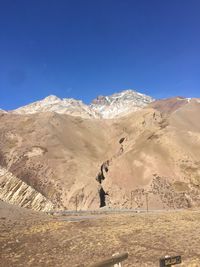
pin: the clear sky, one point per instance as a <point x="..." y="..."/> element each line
<point x="85" y="48"/>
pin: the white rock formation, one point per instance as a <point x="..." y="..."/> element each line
<point x="53" y="103"/>
<point x="107" y="107"/>
<point x="120" y="104"/>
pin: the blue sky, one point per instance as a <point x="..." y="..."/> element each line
<point x="85" y="48"/>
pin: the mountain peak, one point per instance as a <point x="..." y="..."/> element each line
<point x="120" y="104"/>
<point x="51" y="98"/>
<point x="115" y="105"/>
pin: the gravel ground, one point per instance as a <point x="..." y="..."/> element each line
<point x="34" y="239"/>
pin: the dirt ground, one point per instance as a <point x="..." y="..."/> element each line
<point x="35" y="239"/>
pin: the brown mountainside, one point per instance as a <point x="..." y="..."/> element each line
<point x="152" y="154"/>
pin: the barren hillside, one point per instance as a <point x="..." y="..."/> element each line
<point x="159" y="159"/>
<point x="151" y="155"/>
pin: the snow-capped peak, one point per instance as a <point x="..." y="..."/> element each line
<point x="53" y="103"/>
<point x="120" y="104"/>
<point x="51" y="99"/>
<point x="112" y="106"/>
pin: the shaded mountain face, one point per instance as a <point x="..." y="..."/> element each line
<point x="103" y="107"/>
<point x="57" y="161"/>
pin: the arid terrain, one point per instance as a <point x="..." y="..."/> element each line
<point x="50" y="160"/>
<point x="30" y="238"/>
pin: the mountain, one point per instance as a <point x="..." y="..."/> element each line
<point x="120" y="104"/>
<point x="2" y="111"/>
<point x="52" y="160"/>
<point x="112" y="106"/>
<point x="63" y="106"/>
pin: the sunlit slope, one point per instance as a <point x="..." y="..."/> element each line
<point x="161" y="157"/>
<point x="56" y="154"/>
<point x="151" y="155"/>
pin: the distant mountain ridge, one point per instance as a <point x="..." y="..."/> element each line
<point x="108" y="107"/>
<point x="52" y="103"/>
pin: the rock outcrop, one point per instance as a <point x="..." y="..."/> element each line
<point x="63" y="106"/>
<point x="15" y="191"/>
<point x="120" y="104"/>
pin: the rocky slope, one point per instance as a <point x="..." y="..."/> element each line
<point x="15" y="191"/>
<point x="158" y="160"/>
<point x="120" y="104"/>
<point x="55" y="154"/>
<point x="63" y="106"/>
<point x="103" y="107"/>
<point x="150" y="155"/>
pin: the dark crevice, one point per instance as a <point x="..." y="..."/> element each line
<point x="100" y="177"/>
<point x="121" y="140"/>
<point x="104" y="169"/>
<point x="102" y="196"/>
